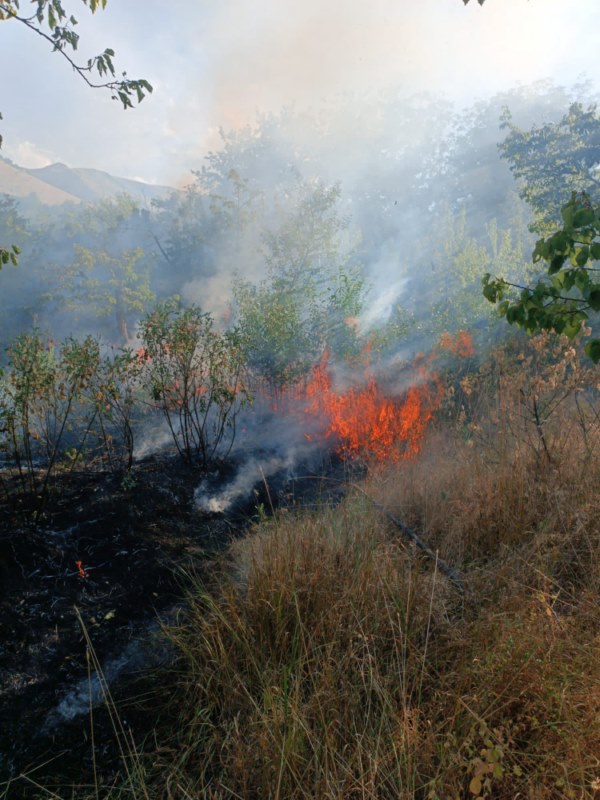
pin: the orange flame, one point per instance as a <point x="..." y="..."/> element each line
<point x="366" y="423"/>
<point x="83" y="573"/>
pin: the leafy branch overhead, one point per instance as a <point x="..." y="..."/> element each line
<point x="562" y="298"/>
<point x="51" y="22"/>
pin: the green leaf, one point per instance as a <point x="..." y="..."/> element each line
<point x="567" y="213"/>
<point x="573" y="325"/>
<point x="560" y="243"/>
<point x="592" y="349"/>
<point x="556" y="264"/>
<point x="493" y="290"/>
<point x="515" y="314"/>
<point x="583" y="217"/>
<point x="582" y="256"/>
<point x="540" y="251"/>
<point x="593" y="298"/>
<point x="581" y="280"/>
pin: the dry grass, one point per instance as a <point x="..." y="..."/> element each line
<point x="333" y="663"/>
<point x="311" y="663"/>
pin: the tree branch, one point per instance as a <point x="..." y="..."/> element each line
<point x="121" y="89"/>
<point x="80" y="70"/>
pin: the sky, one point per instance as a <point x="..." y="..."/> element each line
<point x="217" y="64"/>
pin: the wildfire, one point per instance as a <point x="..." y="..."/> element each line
<point x="461" y="345"/>
<point x="363" y="421"/>
<point x="366" y="423"/>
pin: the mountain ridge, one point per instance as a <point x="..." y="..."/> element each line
<point x="58" y="184"/>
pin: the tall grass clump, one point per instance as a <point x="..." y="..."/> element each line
<point x="305" y="673"/>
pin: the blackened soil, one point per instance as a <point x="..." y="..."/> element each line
<point x="136" y="541"/>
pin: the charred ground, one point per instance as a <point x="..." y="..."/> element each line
<point x="118" y="552"/>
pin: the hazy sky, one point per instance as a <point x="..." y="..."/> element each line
<point x="217" y="63"/>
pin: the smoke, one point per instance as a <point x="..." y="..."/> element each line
<point x="216" y="64"/>
<point x="348" y="93"/>
<point x="145" y="652"/>
<point x="271" y="446"/>
<point x="249" y="475"/>
<point x="265" y="56"/>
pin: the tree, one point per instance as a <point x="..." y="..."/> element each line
<point x="183" y="232"/>
<point x="312" y="295"/>
<point x="554" y="159"/>
<point x="109" y="275"/>
<point x="109" y="286"/>
<point x="562" y="298"/>
<point x="11" y="224"/>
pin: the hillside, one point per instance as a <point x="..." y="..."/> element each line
<point x="57" y="184"/>
<point x="18" y="182"/>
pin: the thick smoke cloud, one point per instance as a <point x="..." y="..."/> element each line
<point x="217" y="64"/>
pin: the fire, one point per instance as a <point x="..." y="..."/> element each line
<point x="83" y="573"/>
<point x="142" y="356"/>
<point x="363" y="421"/>
<point x="366" y="423"/>
<point x="461" y="345"/>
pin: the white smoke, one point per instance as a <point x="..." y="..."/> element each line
<point x="250" y="475"/>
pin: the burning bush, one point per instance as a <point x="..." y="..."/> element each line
<point x="367" y="423"/>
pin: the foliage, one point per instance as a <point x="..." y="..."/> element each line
<point x="236" y="208"/>
<point x="312" y="296"/>
<point x="561" y="299"/>
<point x="78" y="403"/>
<point x="193" y="375"/>
<point x="51" y="14"/>
<point x="276" y="333"/>
<point x="108" y="285"/>
<point x="450" y="299"/>
<point x="38" y="402"/>
<point x="112" y="393"/>
<point x="185" y="235"/>
<point x="108" y="275"/>
<point x="9" y="256"/>
<point x="11" y="224"/>
<point x="554" y="159"/>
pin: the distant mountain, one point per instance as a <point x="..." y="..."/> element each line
<point x="58" y="184"/>
<point x="17" y="182"/>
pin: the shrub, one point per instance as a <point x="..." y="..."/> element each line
<point x="194" y="377"/>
